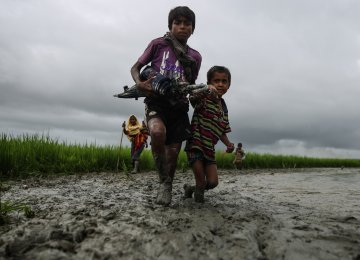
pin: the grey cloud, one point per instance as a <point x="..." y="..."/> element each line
<point x="295" y="66"/>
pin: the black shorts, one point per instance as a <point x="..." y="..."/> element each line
<point x="176" y="121"/>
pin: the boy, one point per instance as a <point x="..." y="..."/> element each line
<point x="166" y="116"/>
<point x="209" y="125"/>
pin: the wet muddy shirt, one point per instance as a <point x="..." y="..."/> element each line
<point x="163" y="59"/>
<point x="209" y="122"/>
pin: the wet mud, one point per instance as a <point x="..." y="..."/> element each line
<point x="252" y="214"/>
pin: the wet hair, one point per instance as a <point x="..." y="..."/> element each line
<point x="219" y="69"/>
<point x="239" y="144"/>
<point x="179" y="11"/>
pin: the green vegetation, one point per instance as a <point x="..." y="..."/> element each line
<point x="6" y="207"/>
<point x="26" y="155"/>
<point x="30" y="155"/>
<point x="39" y="154"/>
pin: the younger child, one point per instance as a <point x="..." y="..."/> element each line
<point x="239" y="156"/>
<point x="209" y="125"/>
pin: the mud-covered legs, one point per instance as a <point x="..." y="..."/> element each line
<point x="165" y="157"/>
<point x="206" y="178"/>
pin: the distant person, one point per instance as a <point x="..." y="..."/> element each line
<point x="209" y="124"/>
<point x="239" y="157"/>
<point x="167" y="116"/>
<point x="137" y="134"/>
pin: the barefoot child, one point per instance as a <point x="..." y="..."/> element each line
<point x="209" y="125"/>
<point x="167" y="118"/>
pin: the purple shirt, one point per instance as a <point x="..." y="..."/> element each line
<point x="163" y="59"/>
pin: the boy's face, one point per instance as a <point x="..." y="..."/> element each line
<point x="220" y="81"/>
<point x="182" y="29"/>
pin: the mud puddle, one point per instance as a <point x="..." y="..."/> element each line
<point x="277" y="214"/>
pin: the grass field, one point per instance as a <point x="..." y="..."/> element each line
<point x="26" y="155"/>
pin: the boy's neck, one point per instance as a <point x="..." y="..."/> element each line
<point x="183" y="43"/>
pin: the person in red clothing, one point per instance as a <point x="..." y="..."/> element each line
<point x="137" y="134"/>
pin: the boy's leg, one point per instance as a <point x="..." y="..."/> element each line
<point x="211" y="176"/>
<point x="157" y="131"/>
<point x="205" y="181"/>
<point x="163" y="196"/>
<point x="188" y="191"/>
<point x="172" y="153"/>
<point x="197" y="168"/>
<point x="167" y="167"/>
<point x="199" y="172"/>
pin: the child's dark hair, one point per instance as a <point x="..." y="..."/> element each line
<point x="179" y="11"/>
<point x="219" y="69"/>
<point x="239" y="144"/>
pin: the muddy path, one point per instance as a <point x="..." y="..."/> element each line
<point x="277" y="214"/>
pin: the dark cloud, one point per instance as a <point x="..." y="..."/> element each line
<point x="295" y="67"/>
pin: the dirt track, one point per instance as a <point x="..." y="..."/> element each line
<point x="302" y="214"/>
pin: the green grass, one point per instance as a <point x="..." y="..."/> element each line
<point x="261" y="161"/>
<point x="6" y="207"/>
<point x="25" y="155"/>
<point x="28" y="155"/>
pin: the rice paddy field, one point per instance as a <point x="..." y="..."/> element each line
<point x="29" y="155"/>
<point x="69" y="201"/>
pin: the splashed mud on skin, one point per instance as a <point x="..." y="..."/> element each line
<point x="253" y="214"/>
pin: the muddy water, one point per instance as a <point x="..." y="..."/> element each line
<point x="302" y="214"/>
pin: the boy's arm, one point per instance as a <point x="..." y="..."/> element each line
<point x="135" y="72"/>
<point x="142" y="85"/>
<point x="229" y="145"/>
<point x="199" y="97"/>
<point x="194" y="100"/>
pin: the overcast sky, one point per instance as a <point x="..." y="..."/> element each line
<point x="295" y="69"/>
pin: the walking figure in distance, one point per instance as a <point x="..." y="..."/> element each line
<point x="137" y="134"/>
<point x="239" y="157"/>
<point x="209" y="124"/>
<point x="166" y="115"/>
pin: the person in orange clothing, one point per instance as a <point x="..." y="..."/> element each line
<point x="137" y="134"/>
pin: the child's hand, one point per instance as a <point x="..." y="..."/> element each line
<point x="213" y="92"/>
<point x="145" y="86"/>
<point x="230" y="148"/>
<point x="123" y="124"/>
<point x="212" y="88"/>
